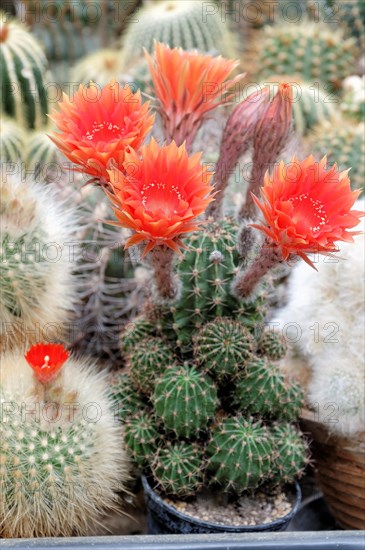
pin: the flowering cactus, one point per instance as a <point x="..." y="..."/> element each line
<point x="201" y="343"/>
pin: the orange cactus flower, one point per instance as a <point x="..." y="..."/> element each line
<point x="188" y="85"/>
<point x="97" y="125"/>
<point x="307" y="207"/>
<point x="160" y="194"/>
<point x="46" y="360"/>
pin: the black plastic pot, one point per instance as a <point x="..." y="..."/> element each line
<point x="163" y="519"/>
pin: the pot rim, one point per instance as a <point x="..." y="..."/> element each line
<point x="228" y="528"/>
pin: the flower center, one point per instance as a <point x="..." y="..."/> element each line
<point x="104" y="131"/>
<point x="160" y="199"/>
<point x="309" y="211"/>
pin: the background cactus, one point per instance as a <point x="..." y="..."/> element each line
<point x="313" y="51"/>
<point x="178" y="24"/>
<point x="23" y="68"/>
<point x="38" y="287"/>
<point x="185" y="401"/>
<point x="343" y="142"/>
<point x="331" y="336"/>
<point x="148" y="361"/>
<point x="41" y="154"/>
<point x="127" y="401"/>
<point x="353" y="100"/>
<point x="60" y="470"/>
<point x="141" y="438"/>
<point x="12" y="141"/>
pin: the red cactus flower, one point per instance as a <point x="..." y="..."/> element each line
<point x="188" y="85"/>
<point x="46" y="360"/>
<point x="163" y="194"/>
<point x="97" y="126"/>
<point x="307" y="208"/>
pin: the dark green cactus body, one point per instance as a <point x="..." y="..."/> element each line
<point x="291" y="454"/>
<point x="185" y="400"/>
<point x="141" y="438"/>
<point x="125" y="398"/>
<point x="206" y="273"/>
<point x="272" y="344"/>
<point x="135" y="330"/>
<point x="240" y="454"/>
<point x="178" y="469"/>
<point x="223" y="346"/>
<point x="149" y="360"/>
<point x="263" y="390"/>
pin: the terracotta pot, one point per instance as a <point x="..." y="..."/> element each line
<point x="340" y="466"/>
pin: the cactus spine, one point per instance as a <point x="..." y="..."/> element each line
<point x="37" y="289"/>
<point x="185" y="401"/>
<point x="311" y="50"/>
<point x="178" y="24"/>
<point x="60" y="469"/>
<point x="23" y="67"/>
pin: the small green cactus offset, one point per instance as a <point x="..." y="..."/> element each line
<point x="185" y="400"/>
<point x="291" y="452"/>
<point x="240" y="452"/>
<point x="178" y="469"/>
<point x="127" y="401"/>
<point x="151" y="358"/>
<point x="141" y="438"/>
<point x="313" y="51"/>
<point x="262" y="389"/>
<point x="272" y="344"/>
<point x="223" y="347"/>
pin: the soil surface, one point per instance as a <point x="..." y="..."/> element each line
<point x="258" y="509"/>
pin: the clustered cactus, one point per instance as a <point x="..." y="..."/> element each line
<point x="62" y="463"/>
<point x="215" y="406"/>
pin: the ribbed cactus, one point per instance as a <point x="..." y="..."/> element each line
<point x="150" y="359"/>
<point x="272" y="344"/>
<point x="313" y="51"/>
<point x="127" y="401"/>
<point x="240" y="454"/>
<point x="291" y="452"/>
<point x="100" y="67"/>
<point x="141" y="438"/>
<point x="62" y="461"/>
<point x="38" y="287"/>
<point x="262" y="389"/>
<point x="223" y="347"/>
<point x="23" y="69"/>
<point x="178" y="24"/>
<point x="178" y="469"/>
<point x="12" y="142"/>
<point x="41" y="154"/>
<point x="185" y="401"/>
<point x="134" y="331"/>
<point x="206" y="273"/>
<point x="343" y="142"/>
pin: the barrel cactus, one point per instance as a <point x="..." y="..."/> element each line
<point x="100" y="67"/>
<point x="64" y="454"/>
<point x="178" y="24"/>
<point x="13" y="139"/>
<point x="41" y="154"/>
<point x="343" y="142"/>
<point x="313" y="51"/>
<point x="23" y="68"/>
<point x="38" y="286"/>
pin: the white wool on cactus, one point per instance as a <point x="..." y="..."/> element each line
<point x="324" y="322"/>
